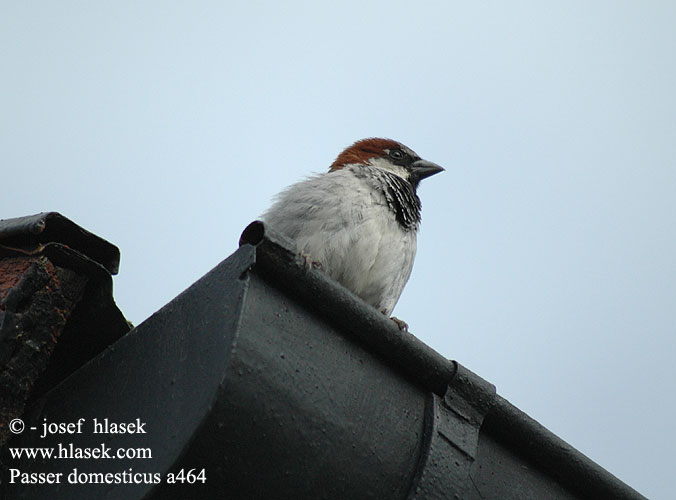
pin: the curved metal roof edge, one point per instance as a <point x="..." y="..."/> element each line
<point x="284" y="268"/>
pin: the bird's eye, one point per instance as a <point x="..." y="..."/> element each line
<point x="397" y="154"/>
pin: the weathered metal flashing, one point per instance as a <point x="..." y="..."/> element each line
<point x="52" y="291"/>
<point x="52" y="229"/>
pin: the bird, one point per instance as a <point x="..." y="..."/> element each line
<point x="358" y="222"/>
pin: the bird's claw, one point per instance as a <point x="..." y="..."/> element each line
<point x="308" y="263"/>
<point x="403" y="326"/>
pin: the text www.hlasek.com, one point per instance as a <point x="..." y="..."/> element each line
<point x="73" y="452"/>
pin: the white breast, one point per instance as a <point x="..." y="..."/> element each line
<point x="343" y="223"/>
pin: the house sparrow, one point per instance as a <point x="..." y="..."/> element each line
<point x="358" y="221"/>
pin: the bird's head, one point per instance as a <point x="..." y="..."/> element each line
<point x="388" y="155"/>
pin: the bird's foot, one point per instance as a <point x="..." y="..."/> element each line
<point x="403" y="326"/>
<point x="308" y="263"/>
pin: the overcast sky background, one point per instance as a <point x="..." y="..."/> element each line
<point x="547" y="255"/>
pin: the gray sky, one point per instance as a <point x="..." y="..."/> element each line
<point x="547" y="256"/>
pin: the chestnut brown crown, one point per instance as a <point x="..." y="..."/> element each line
<point x="396" y="158"/>
<point x="363" y="150"/>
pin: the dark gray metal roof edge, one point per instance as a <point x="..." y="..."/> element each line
<point x="52" y="227"/>
<point x="284" y="268"/>
<point x="521" y="433"/>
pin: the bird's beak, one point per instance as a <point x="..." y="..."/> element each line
<point x="421" y="169"/>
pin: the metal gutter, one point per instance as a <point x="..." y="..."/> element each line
<point x="285" y="269"/>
